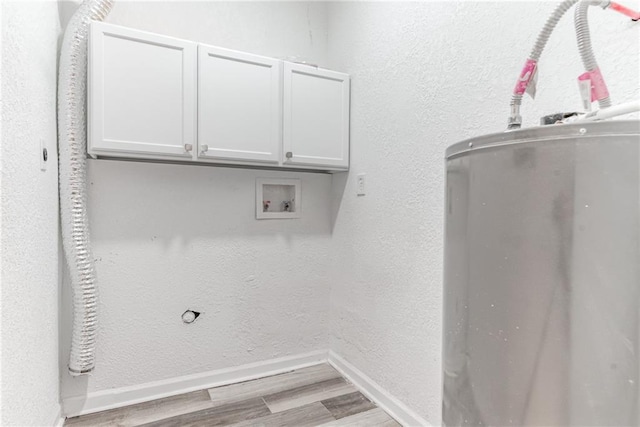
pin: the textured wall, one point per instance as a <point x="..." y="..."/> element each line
<point x="30" y="262"/>
<point x="171" y="237"/>
<point x="276" y="29"/>
<point x="426" y="75"/>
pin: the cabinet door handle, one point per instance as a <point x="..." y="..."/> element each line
<point x="289" y="155"/>
<point x="188" y="147"/>
<point x="204" y="148"/>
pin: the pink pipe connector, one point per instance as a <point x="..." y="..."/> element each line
<point x="625" y="11"/>
<point x="526" y="75"/>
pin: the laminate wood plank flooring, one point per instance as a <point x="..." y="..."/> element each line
<point x="147" y="412"/>
<point x="274" y="384"/>
<point x="309" y="415"/>
<point x="348" y="404"/>
<point x="218" y="416"/>
<point x="308" y="397"/>
<point x="373" y="417"/>
<point x="306" y="394"/>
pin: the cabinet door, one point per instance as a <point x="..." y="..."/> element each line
<point x="239" y="106"/>
<point x="142" y="94"/>
<point x="316" y="117"/>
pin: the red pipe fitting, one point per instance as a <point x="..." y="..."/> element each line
<point x="625" y="11"/>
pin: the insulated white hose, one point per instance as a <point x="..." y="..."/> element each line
<point x="597" y="86"/>
<point x="581" y="23"/>
<point x="72" y="147"/>
<point x="529" y="70"/>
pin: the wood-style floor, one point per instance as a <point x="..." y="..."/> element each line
<point x="315" y="396"/>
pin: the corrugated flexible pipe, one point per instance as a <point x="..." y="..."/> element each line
<point x="72" y="147"/>
<point x="531" y="64"/>
<point x="581" y="22"/>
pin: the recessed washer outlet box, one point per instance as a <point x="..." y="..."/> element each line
<point x="278" y="198"/>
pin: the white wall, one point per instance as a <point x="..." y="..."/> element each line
<point x="30" y="263"/>
<point x="276" y="29"/>
<point x="424" y="76"/>
<point x="170" y="237"/>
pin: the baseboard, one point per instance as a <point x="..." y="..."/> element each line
<point x="377" y="394"/>
<point x="119" y="397"/>
<point x="116" y="398"/>
<point x="58" y="420"/>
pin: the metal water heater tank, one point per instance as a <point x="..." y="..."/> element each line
<point x="542" y="277"/>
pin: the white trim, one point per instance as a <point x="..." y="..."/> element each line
<point x="119" y="397"/>
<point x="59" y="419"/>
<point x="377" y="394"/>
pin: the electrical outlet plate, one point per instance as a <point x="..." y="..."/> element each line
<point x="44" y="155"/>
<point x="360" y="183"/>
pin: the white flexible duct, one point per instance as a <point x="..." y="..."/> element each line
<point x="72" y="147"/>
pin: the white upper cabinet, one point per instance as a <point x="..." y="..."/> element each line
<point x="161" y="98"/>
<point x="142" y="94"/>
<point x="239" y="106"/>
<point x="316" y="117"/>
